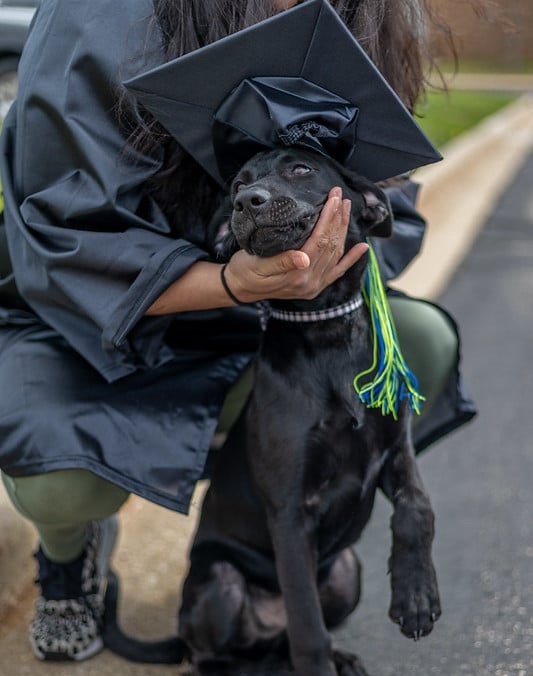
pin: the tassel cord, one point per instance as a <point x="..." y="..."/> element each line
<point x="393" y="381"/>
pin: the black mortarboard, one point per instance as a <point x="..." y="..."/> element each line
<point x="298" y="77"/>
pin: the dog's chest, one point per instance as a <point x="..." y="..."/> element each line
<point x="308" y="419"/>
<point x="343" y="466"/>
<point x="306" y="410"/>
<point x="342" y="452"/>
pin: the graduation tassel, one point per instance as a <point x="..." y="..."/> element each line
<point x="389" y="380"/>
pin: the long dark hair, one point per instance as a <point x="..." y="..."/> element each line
<point x="394" y="33"/>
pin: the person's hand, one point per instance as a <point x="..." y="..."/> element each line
<point x="303" y="273"/>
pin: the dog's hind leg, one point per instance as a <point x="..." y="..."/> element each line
<point x="210" y="613"/>
<point x="339" y="593"/>
<point x="348" y="664"/>
<point x="340" y="590"/>
<point x="228" y="624"/>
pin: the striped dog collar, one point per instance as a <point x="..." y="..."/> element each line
<point x="267" y="312"/>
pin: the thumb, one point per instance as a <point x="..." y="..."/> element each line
<point x="284" y="262"/>
<point x="300" y="259"/>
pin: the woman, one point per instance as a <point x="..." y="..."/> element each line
<point x="118" y="342"/>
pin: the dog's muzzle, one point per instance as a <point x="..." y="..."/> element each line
<point x="265" y="225"/>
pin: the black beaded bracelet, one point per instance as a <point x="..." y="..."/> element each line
<point x="227" y="289"/>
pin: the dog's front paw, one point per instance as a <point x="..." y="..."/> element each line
<point x="415" y="603"/>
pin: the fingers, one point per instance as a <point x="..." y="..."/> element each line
<point x="326" y="244"/>
<point x="350" y="258"/>
<point x="329" y="234"/>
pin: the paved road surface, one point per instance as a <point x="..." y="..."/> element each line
<point x="480" y="479"/>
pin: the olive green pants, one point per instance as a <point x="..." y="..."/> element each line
<point x="60" y="503"/>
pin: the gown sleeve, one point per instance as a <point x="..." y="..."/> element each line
<point x="90" y="248"/>
<point x="395" y="253"/>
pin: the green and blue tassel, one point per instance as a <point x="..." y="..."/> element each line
<point x="388" y="381"/>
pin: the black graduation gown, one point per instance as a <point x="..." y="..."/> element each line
<point x="87" y="381"/>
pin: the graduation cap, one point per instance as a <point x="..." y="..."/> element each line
<point x="296" y="78"/>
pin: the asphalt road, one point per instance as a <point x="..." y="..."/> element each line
<point x="480" y="479"/>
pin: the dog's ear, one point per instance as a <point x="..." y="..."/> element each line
<point x="376" y="217"/>
<point x="224" y="243"/>
<point x="221" y="241"/>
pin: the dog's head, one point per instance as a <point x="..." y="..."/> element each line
<point x="278" y="195"/>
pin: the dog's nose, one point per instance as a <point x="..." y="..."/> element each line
<point x="252" y="198"/>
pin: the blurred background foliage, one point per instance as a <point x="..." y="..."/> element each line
<point x="444" y="115"/>
<point x="490" y="37"/>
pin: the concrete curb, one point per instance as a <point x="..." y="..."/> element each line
<point x="502" y="82"/>
<point x="459" y="193"/>
<point x="17" y="542"/>
<point x="457" y="196"/>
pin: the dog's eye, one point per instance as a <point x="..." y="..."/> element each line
<point x="238" y="186"/>
<point x="301" y="170"/>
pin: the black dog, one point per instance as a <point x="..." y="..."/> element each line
<point x="271" y="565"/>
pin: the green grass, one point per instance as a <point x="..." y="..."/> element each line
<point x="445" y="115"/>
<point x="486" y="66"/>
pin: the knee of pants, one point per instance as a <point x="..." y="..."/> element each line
<point x="64" y="496"/>
<point x="235" y="400"/>
<point x="428" y="342"/>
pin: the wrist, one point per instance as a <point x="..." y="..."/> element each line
<point x="227" y="288"/>
<point x="238" y="292"/>
<point x="197" y="289"/>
